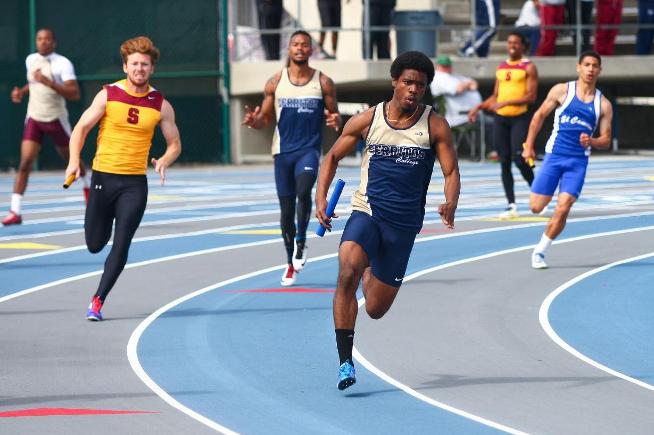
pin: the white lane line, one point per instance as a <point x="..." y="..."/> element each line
<point x="341" y="213"/>
<point x="543" y="317"/>
<point x="373" y="369"/>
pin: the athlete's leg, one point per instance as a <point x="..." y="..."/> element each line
<point x="379" y="296"/>
<point x="544" y="186"/>
<point x="306" y="172"/>
<point x="287" y="224"/>
<point x="384" y="278"/>
<point x="359" y="244"/>
<point x="538" y="202"/>
<point x="352" y="261"/>
<point x="129" y="208"/>
<point x="285" y="185"/>
<point x="305" y="184"/>
<point x="99" y="216"/>
<point x="29" y="151"/>
<point x="502" y="135"/>
<point x="558" y="220"/>
<point x="519" y="129"/>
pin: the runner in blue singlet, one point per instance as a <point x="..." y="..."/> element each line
<point x="580" y="110"/>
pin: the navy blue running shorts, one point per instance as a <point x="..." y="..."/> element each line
<point x="388" y="247"/>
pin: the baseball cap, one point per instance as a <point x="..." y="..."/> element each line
<point x="444" y="60"/>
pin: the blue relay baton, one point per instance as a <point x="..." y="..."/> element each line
<point x="331" y="205"/>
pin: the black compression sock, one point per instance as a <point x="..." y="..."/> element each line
<point x="344" y="343"/>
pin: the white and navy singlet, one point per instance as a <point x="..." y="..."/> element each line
<point x="300" y="115"/>
<point x="571" y="119"/>
<point x="395" y="171"/>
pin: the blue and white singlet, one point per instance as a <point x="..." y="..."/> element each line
<point x="571" y="119"/>
<point x="395" y="171"/>
<point x="300" y="115"/>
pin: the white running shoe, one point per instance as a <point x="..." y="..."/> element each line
<point x="289" y="277"/>
<point x="299" y="256"/>
<point x="510" y="212"/>
<point x="538" y="261"/>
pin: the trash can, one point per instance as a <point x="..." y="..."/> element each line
<point x="421" y="38"/>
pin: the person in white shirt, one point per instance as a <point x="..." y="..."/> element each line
<point x="51" y="80"/>
<point x="460" y="92"/>
<point x="459" y="95"/>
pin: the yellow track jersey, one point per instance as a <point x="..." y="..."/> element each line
<point x="512" y="79"/>
<point x="126" y="130"/>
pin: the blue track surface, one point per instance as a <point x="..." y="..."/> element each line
<point x="608" y="317"/>
<point x="204" y="346"/>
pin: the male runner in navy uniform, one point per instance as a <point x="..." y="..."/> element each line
<point x="301" y="99"/>
<point x="403" y="139"/>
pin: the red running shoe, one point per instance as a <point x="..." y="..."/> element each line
<point x="12" y="219"/>
<point x="94" y="309"/>
<point x="289" y="277"/>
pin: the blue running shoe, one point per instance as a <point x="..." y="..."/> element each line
<point x="94" y="309"/>
<point x="346" y="376"/>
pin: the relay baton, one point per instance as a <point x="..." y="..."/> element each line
<point x="530" y="161"/>
<point x="331" y="205"/>
<point x="69" y="181"/>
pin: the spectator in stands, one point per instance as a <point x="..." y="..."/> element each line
<point x="454" y="96"/>
<point x="645" y="36"/>
<point x="586" y="7"/>
<point x="459" y="93"/>
<point x="379" y="15"/>
<point x="528" y="23"/>
<point x="552" y="13"/>
<point x="608" y="12"/>
<point x="269" y="13"/>
<point x="330" y="16"/>
<point x="487" y="16"/>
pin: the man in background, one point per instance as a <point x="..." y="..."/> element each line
<point x="51" y="81"/>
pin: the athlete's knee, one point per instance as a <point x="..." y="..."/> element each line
<point x="95" y="246"/>
<point x="348" y="276"/>
<point x="562" y="210"/>
<point x="375" y="310"/>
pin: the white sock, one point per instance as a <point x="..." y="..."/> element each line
<point x="16" y="201"/>
<point x="542" y="246"/>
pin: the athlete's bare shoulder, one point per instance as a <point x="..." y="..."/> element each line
<point x="326" y="81"/>
<point x="558" y="93"/>
<point x="271" y="84"/>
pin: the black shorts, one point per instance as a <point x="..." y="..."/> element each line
<point x="330" y="13"/>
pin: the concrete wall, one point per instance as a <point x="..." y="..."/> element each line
<point x="369" y="82"/>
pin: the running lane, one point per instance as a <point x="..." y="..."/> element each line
<point x="607" y="316"/>
<point x="208" y="340"/>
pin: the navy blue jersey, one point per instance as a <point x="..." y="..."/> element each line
<point x="300" y="115"/>
<point x="395" y="171"/>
